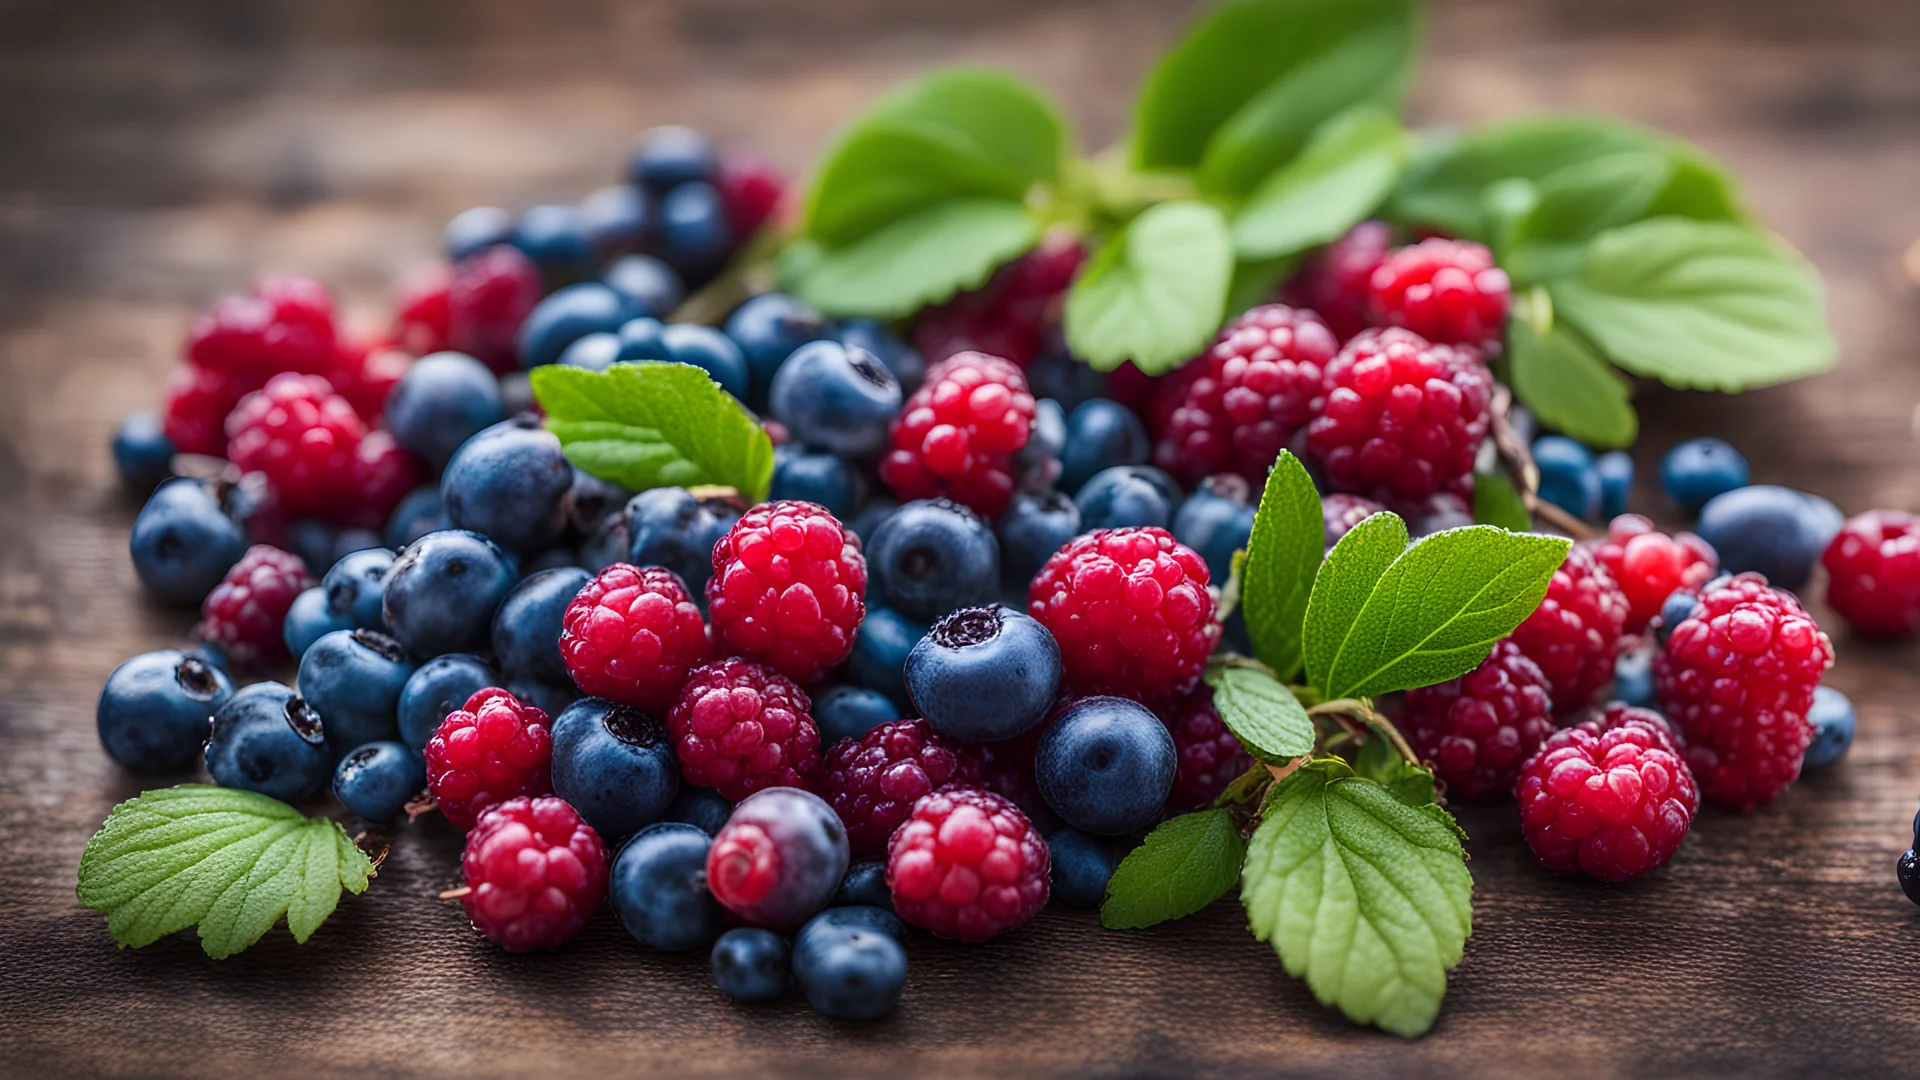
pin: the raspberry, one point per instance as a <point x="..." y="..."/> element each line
<point x="788" y="588"/>
<point x="1447" y="291"/>
<point x="364" y="372"/>
<point x="1007" y="770"/>
<point x="1478" y="729"/>
<point x="1210" y="757"/>
<point x="1234" y="407"/>
<point x="286" y="325"/>
<point x="1609" y="798"/>
<point x="1009" y="315"/>
<point x="1575" y="633"/>
<point x="535" y="873"/>
<point x="740" y="727"/>
<point x="631" y="635"/>
<point x="872" y="782"/>
<point x="242" y="615"/>
<point x="1649" y="565"/>
<point x="1873" y="572"/>
<point x="302" y="436"/>
<point x="198" y="401"/>
<point x="957" y="434"/>
<point x="1130" y="609"/>
<point x="750" y="192"/>
<point x="1737" y="678"/>
<point x="382" y="473"/>
<point x="1334" y="281"/>
<point x="1340" y="513"/>
<point x="486" y="752"/>
<point x="423" y="311"/>
<point x="491" y="294"/>
<point x="1401" y="418"/>
<point x="967" y="864"/>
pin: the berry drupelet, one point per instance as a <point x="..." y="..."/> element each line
<point x="1210" y="756"/>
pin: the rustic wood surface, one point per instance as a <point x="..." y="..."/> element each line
<point x="151" y="158"/>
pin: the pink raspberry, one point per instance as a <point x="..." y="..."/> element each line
<point x="1447" y="291"/>
<point x="1873" y="573"/>
<point x="243" y="614"/>
<point x="1130" y="609"/>
<point x="1478" y="729"/>
<point x="1649" y="565"/>
<point x="364" y="371"/>
<point x="788" y="589"/>
<point x="750" y="192"/>
<point x="1737" y="678"/>
<point x="198" y="401"/>
<point x="957" y="434"/>
<point x="1334" y="281"/>
<point x="872" y="782"/>
<point x="536" y="872"/>
<point x="492" y="749"/>
<point x="302" y="437"/>
<point x="285" y="325"/>
<point x="740" y="727"/>
<point x="491" y="294"/>
<point x="1210" y="756"/>
<point x="632" y="634"/>
<point x="1574" y="635"/>
<point x="1609" y="798"/>
<point x="423" y="311"/>
<point x="967" y="864"/>
<point x="1010" y="314"/>
<point x="382" y="473"/>
<point x="1340" y="513"/>
<point x="1401" y="418"/>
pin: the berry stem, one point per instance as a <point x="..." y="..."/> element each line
<point x="1362" y="710"/>
<point x="1518" y="458"/>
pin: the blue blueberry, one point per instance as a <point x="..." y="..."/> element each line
<point x="865" y="885"/>
<point x="1106" y="765"/>
<point x="377" y="780"/>
<point x="650" y="286"/>
<point x="1673" y="611"/>
<point x="880" y="649"/>
<point x="314" y="541"/>
<point x="354" y="585"/>
<point x="1034" y="527"/>
<point x="817" y="477"/>
<point x="155" y="710"/>
<point x="566" y="316"/>
<point x="687" y="343"/>
<point x="1216" y="521"/>
<point x="183" y="542"/>
<point x="671" y="155"/>
<point x="695" y="236"/>
<point x="659" y="888"/>
<point x="1699" y="469"/>
<point x="836" y="397"/>
<point x="879" y="918"/>
<point x="1776" y="531"/>
<point x="1909" y="871"/>
<point x="617" y="220"/>
<point x="442" y="591"/>
<point x="550" y="698"/>
<point x="591" y="500"/>
<point x="984" y="674"/>
<point x="350" y="541"/>
<point x="1633" y="678"/>
<point x="878" y="509"/>
<point x="672" y="527"/>
<point x="849" y="712"/>
<point x="526" y="628"/>
<point x="266" y="739"/>
<point x="211" y="655"/>
<point x="554" y="558"/>
<point x="1127" y="495"/>
<point x="1568" y="478"/>
<point x="768" y="328"/>
<point x="142" y="452"/>
<point x="510" y="483"/>
<point x="1046" y="441"/>
<point x="594" y="352"/>
<point x="930" y="557"/>
<point x="909" y="367"/>
<point x="354" y="678"/>
<point x="1100" y="435"/>
<point x="418" y="514"/>
<point x="475" y="230"/>
<point x="1083" y="864"/>
<point x="751" y="965"/>
<point x="703" y="808"/>
<point x="1056" y="374"/>
<point x="555" y="238"/>
<point x="442" y="400"/>
<point x="1832" y="720"/>
<point x="614" y="764"/>
<point x="309" y="619"/>
<point x="437" y="688"/>
<point x="850" y="973"/>
<point x="1616" y="482"/>
<point x="807" y="849"/>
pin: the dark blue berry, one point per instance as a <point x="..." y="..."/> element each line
<point x="266" y="739"/>
<point x="510" y="483"/>
<point x="865" y="885"/>
<point x="314" y="541"/>
<point x="1776" y="531"/>
<point x="1674" y="611"/>
<point x="617" y="221"/>
<point x="555" y="238"/>
<point x="909" y="367"/>
<point x="835" y="397"/>
<point x="1083" y="864"/>
<point x="703" y="808"/>
<point x="310" y="619"/>
<point x="210" y="655"/>
<point x="1633" y="678"/>
<point x="1832" y="720"/>
<point x="1216" y="521"/>
<point x="354" y="585"/>
<point x="440" y="402"/>
<point x="349" y="541"/>
<point x="550" y="698"/>
<point x="768" y="328"/>
<point x="1568" y="478"/>
<point x="815" y="477"/>
<point x="155" y="710"/>
<point x="687" y="343"/>
<point x="1100" y="435"/>
<point x="695" y="236"/>
<point x="1105" y="765"/>
<point x="850" y="973"/>
<point x="475" y="230"/>
<point x="806" y="843"/>
<point x="554" y="558"/>
<point x="1038" y="462"/>
<point x="751" y="965"/>
<point x="142" y="452"/>
<point x="878" y="509"/>
<point x="526" y="628"/>
<point x="984" y="674"/>
<point x="930" y="557"/>
<point x="879" y="918"/>
<point x="566" y="316"/>
<point x="417" y="515"/>
<point x="614" y="764"/>
<point x="443" y="589"/>
<point x="184" y="541"/>
<point x="1035" y="525"/>
<point x="591" y="500"/>
<point x="1909" y="871"/>
<point x="593" y="352"/>
<point x="672" y="527"/>
<point x="1127" y="495"/>
<point x="671" y="155"/>
<point x="848" y="712"/>
<point x="1056" y="374"/>
<point x="659" y="888"/>
<point x="651" y="287"/>
<point x="1616" y="482"/>
<point x="1699" y="469"/>
<point x="377" y="780"/>
<point x="437" y="688"/>
<point x="354" y="678"/>
<point x="879" y="657"/>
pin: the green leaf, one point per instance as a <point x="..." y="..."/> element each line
<point x="918" y="260"/>
<point x="1155" y="293"/>
<point x="1569" y="387"/>
<point x="655" y="425"/>
<point x="1438" y="610"/>
<point x="1367" y="898"/>
<point x="1379" y="762"/>
<point x="1700" y="305"/>
<point x="1256" y="283"/>
<point x="1186" y="863"/>
<point x="1341" y="587"/>
<point x="1260" y="711"/>
<point x="1341" y="177"/>
<point x="1576" y="203"/>
<point x="1283" y="553"/>
<point x="1497" y="502"/>
<point x="232" y="861"/>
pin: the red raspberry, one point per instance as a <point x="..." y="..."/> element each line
<point x="286" y="325"/>
<point x="1334" y="281"/>
<point x="1873" y="572"/>
<point x="1009" y="315"/>
<point x="1649" y="565"/>
<point x="486" y="752"/>
<point x="1401" y="419"/>
<point x="1007" y="770"/>
<point x="1609" y="798"/>
<point x="1737" y="678"/>
<point x="632" y="634"/>
<point x="1210" y="757"/>
<point x="967" y="864"/>
<point x="957" y="434"/>
<point x="491" y="294"/>
<point x="788" y="588"/>
<point x="1478" y="729"/>
<point x="739" y="727"/>
<point x="242" y="615"/>
<point x="423" y="311"/>
<point x="302" y="437"/>
<point x="872" y="782"/>
<point x="1130" y="609"/>
<point x="364" y="371"/>
<point x="1340" y="513"/>
<point x="198" y="401"/>
<point x="536" y="872"/>
<point x="382" y="473"/>
<point x="1235" y="406"/>
<point x="750" y="192"/>
<point x="1574" y="635"/>
<point x="1447" y="291"/>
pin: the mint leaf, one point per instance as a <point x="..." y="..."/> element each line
<point x="654" y="425"/>
<point x="232" y="861"/>
<point x="1580" y="201"/>
<point x="1154" y="293"/>
<point x="1256" y="283"/>
<point x="1342" y="176"/>
<point x="1568" y="386"/>
<point x="920" y="259"/>
<point x="1379" y="762"/>
<point x="1497" y="502"/>
<point x="1438" y="610"/>
<point x="1700" y="305"/>
<point x="1341" y="587"/>
<point x="1283" y="553"/>
<point x="1186" y="863"/>
<point x="1260" y="711"/>
<point x="1365" y="897"/>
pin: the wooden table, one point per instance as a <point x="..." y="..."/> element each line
<point x="153" y="159"/>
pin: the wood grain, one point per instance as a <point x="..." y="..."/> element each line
<point x="155" y="157"/>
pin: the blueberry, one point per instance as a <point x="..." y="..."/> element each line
<point x="1699" y="469"/>
<point x="879" y="918"/>
<point x="591" y="500"/>
<point x="183" y="542"/>
<point x="850" y="974"/>
<point x="1039" y="459"/>
<point x="750" y="964"/>
<point x="354" y="584"/>
<point x="1633" y="678"/>
<point x="555" y="238"/>
<point x="864" y="885"/>
<point x="1909" y="872"/>
<point x="418" y="514"/>
<point x="607" y="544"/>
<point x="1100" y="435"/>
<point x="1832" y="720"/>
<point x="1616" y="482"/>
<point x="695" y="236"/>
<point x="984" y="674"/>
<point x="880" y="649"/>
<point x="848" y="712"/>
<point x="212" y="656"/>
<point x="567" y="315"/>
<point x="1568" y="478"/>
<point x="837" y="397"/>
<point x="659" y="888"/>
<point x="266" y="739"/>
<point x="649" y="285"/>
<point x="437" y="688"/>
<point x="672" y="527"/>
<point x="687" y="343"/>
<point x="1057" y="375"/>
<point x="878" y="509"/>
<point x="314" y="541"/>
<point x="155" y="709"/>
<point x="377" y="780"/>
<point x="443" y="589"/>
<point x="1776" y="531"/>
<point x="703" y="808"/>
<point x="909" y="367"/>
<point x="671" y="155"/>
<point x="142" y="452"/>
<point x="1673" y="611"/>
<point x="617" y="220"/>
<point x="550" y="698"/>
<point x="614" y="764"/>
<point x="354" y="678"/>
<point x="351" y="541"/>
<point x="1034" y="527"/>
<point x="516" y="393"/>
<point x="788" y="833"/>
<point x="816" y="477"/>
<point x="475" y="230"/>
<point x="768" y="328"/>
<point x="1127" y="495"/>
<point x="1216" y="521"/>
<point x="442" y="400"/>
<point x="309" y="619"/>
<point x="554" y="558"/>
<point x="594" y="352"/>
<point x="526" y="628"/>
<point x="1083" y="864"/>
<point x="1106" y="765"/>
<point x="930" y="557"/>
<point x="510" y="483"/>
